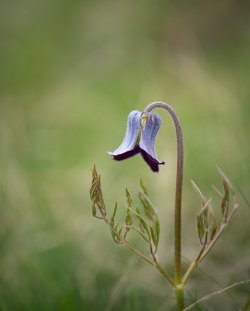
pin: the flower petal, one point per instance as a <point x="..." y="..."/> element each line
<point x="127" y="154"/>
<point x="154" y="165"/>
<point x="126" y="149"/>
<point x="147" y="141"/>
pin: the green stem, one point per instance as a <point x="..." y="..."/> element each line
<point x="179" y="298"/>
<point x="178" y="190"/>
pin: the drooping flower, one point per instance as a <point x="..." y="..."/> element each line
<point x="140" y="138"/>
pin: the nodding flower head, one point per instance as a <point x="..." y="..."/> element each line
<point x="142" y="129"/>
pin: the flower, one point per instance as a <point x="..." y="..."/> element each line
<point x="140" y="136"/>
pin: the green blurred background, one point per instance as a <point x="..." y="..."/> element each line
<point x="70" y="72"/>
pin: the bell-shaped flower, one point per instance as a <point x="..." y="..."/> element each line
<point x="140" y="138"/>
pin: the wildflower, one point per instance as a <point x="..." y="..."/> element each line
<point x="140" y="138"/>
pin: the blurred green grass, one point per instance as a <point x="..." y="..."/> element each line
<point x="70" y="74"/>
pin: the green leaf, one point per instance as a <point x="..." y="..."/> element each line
<point x="96" y="195"/>
<point x="153" y="236"/>
<point x="213" y="231"/>
<point x="128" y="222"/>
<point x="200" y="228"/>
<point x="199" y="193"/>
<point x="115" y="234"/>
<point x="93" y="209"/>
<point x="114" y="213"/>
<point x="142" y="222"/>
<point x="120" y="231"/>
<point x="144" y="189"/>
<point x="128" y="218"/>
<point x="205" y="218"/>
<point x="129" y="199"/>
<point x="157" y="230"/>
<point x="148" y="207"/>
<point x="225" y="199"/>
<point x="227" y="185"/>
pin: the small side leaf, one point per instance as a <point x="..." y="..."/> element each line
<point x="153" y="236"/>
<point x="200" y="228"/>
<point x="114" y="213"/>
<point x="96" y="195"/>
<point x="213" y="231"/>
<point x="128" y="222"/>
<point x="225" y="200"/>
<point x="129" y="199"/>
<point x="115" y="234"/>
<point x="142" y="223"/>
<point x="157" y="231"/>
<point x="144" y="189"/>
<point x="199" y="193"/>
<point x="148" y="208"/>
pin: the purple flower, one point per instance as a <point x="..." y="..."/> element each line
<point x="140" y="138"/>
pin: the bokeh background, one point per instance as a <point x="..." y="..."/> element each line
<point x="70" y="72"/>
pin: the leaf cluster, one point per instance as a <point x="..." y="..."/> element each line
<point x="143" y="219"/>
<point x="96" y="196"/>
<point x="207" y="228"/>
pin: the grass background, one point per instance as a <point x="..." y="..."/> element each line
<point x="70" y="72"/>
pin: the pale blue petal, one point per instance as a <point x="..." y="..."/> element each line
<point x="131" y="137"/>
<point x="149" y="132"/>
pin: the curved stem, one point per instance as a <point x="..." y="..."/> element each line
<point x="179" y="178"/>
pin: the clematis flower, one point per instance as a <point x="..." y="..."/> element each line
<point x="140" y="138"/>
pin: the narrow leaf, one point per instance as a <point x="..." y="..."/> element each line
<point x="115" y="235"/>
<point x="199" y="193"/>
<point x="96" y="195"/>
<point x="114" y="213"/>
<point x="225" y="200"/>
<point x="144" y="189"/>
<point x="142" y="222"/>
<point x="213" y="231"/>
<point x="153" y="236"/>
<point x="157" y="230"/>
<point x="128" y="196"/>
<point x="148" y="208"/>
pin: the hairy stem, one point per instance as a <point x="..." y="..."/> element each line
<point x="178" y="189"/>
